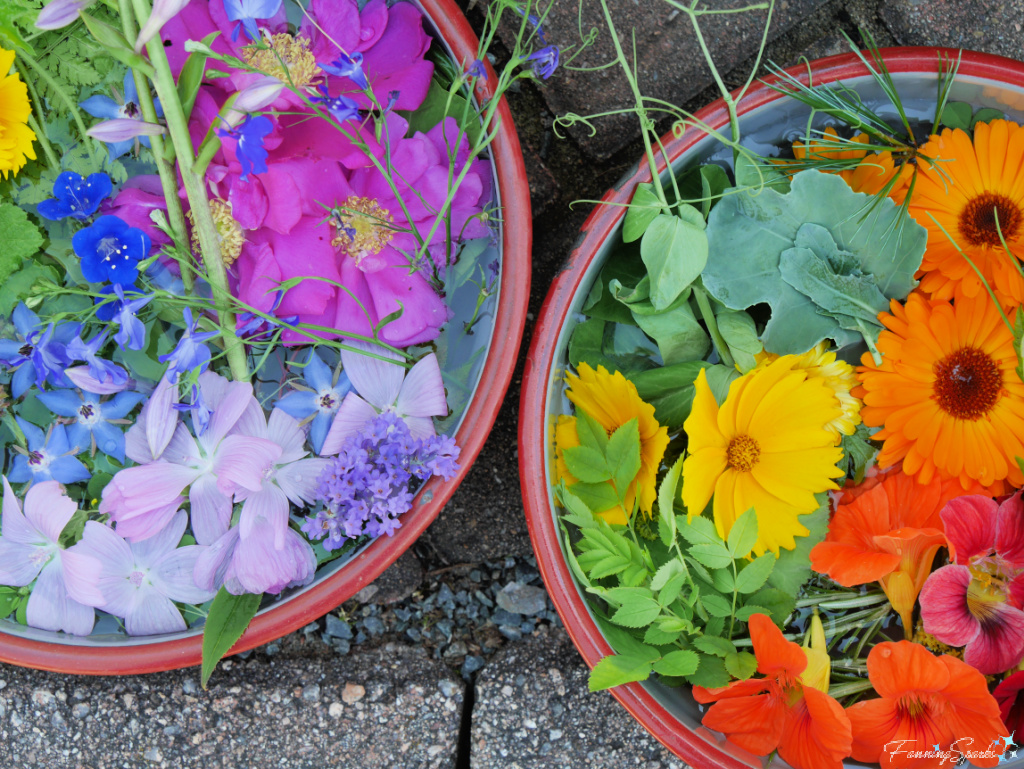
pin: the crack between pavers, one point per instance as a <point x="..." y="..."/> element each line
<point x="464" y="746"/>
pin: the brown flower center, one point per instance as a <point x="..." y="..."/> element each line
<point x="285" y="57"/>
<point x="743" y="453"/>
<point x="967" y="383"/>
<point x="978" y="220"/>
<point x="363" y="227"/>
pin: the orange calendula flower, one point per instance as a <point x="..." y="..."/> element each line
<point x="870" y="175"/>
<point x="612" y="400"/>
<point x="967" y="186"/>
<point x="781" y="711"/>
<point x="924" y="701"/>
<point x="888" y="534"/>
<point x="946" y="395"/>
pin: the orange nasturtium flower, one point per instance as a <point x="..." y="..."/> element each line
<point x="887" y="534"/>
<point x="870" y="175"/>
<point x="781" y="711"/>
<point x="924" y="702"/>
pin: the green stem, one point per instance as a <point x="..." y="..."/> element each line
<point x="199" y="202"/>
<point x="164" y="164"/>
<point x="40" y="118"/>
<point x="51" y="158"/>
<point x="708" y="313"/>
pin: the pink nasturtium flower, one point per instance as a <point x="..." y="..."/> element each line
<point x="976" y="601"/>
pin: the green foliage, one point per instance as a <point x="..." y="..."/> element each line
<point x="675" y="250"/>
<point x="793" y="568"/>
<point x="21" y="239"/>
<point x="441" y="103"/>
<point x="771" y="247"/>
<point x="670" y="389"/>
<point x="960" y="114"/>
<point x="229" y="616"/>
<point x="858" y="451"/>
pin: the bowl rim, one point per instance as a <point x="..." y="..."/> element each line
<point x="480" y="415"/>
<point x="603" y="222"/>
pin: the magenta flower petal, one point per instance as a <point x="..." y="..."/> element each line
<point x="211" y="510"/>
<point x="970" y="525"/>
<point x="51" y="608"/>
<point x="1015" y="591"/>
<point x="376" y="380"/>
<point x="1010" y="531"/>
<point x="944" y="606"/>
<point x="422" y="393"/>
<point x="353" y="413"/>
<point x="999" y="645"/>
<point x="341" y="25"/>
<point x="48" y="509"/>
<point x="424" y="311"/>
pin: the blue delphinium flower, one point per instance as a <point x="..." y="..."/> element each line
<point x="341" y="107"/>
<point x="366" y="488"/>
<point x="132" y="332"/>
<point x="350" y="67"/>
<point x="51" y="457"/>
<point x="320" y="402"/>
<point x="75" y="197"/>
<point x="544" y="61"/>
<point x="476" y="69"/>
<point x="249" y="135"/>
<point x="127" y="107"/>
<point x="93" y="428"/>
<point x="190" y="353"/>
<point x="110" y="250"/>
<point x="39" y="353"/>
<point x="100" y="368"/>
<point x="247" y="13"/>
<point x="253" y="326"/>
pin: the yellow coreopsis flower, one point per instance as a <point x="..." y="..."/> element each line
<point x="766" y="448"/>
<point x="15" y="136"/>
<point x="839" y="375"/>
<point x="612" y="401"/>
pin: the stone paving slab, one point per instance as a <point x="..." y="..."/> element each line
<point x="991" y="26"/>
<point x="374" y="710"/>
<point x="533" y="711"/>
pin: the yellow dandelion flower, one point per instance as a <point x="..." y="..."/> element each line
<point x="765" y="448"/>
<point x="839" y="375"/>
<point x="612" y="401"/>
<point x="15" y="136"/>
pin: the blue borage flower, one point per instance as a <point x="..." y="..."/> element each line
<point x="320" y="402"/>
<point x="94" y="426"/>
<point x="50" y="457"/>
<point x="99" y="368"/>
<point x="124" y="313"/>
<point x="350" y="67"/>
<point x="247" y="13"/>
<point x="110" y="251"/>
<point x="39" y="354"/>
<point x="75" y="197"/>
<point x="544" y="61"/>
<point x="123" y="106"/>
<point x="249" y="149"/>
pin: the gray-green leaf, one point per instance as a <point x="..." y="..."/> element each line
<point x="675" y="250"/>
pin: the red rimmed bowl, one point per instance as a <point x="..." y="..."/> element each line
<point x="338" y="581"/>
<point x="768" y="121"/>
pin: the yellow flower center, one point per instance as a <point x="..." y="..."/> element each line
<point x="967" y="383"/>
<point x="743" y="453"/>
<point x="285" y="57"/>
<point x="978" y="219"/>
<point x="229" y="232"/>
<point x="914" y="705"/>
<point x="363" y="227"/>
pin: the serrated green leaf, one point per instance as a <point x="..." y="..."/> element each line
<point x="755" y="574"/>
<point x="577" y="513"/>
<point x="664" y="573"/>
<point x="672" y="588"/>
<point x="678" y="663"/>
<point x="656" y="636"/>
<point x="666" y="504"/>
<point x="716" y="605"/>
<point x="675" y="250"/>
<point x="723" y="581"/>
<point x="714" y="555"/>
<point x="229" y="616"/>
<point x="637" y="607"/>
<point x="744" y="613"/>
<point x="586" y="464"/>
<point x="711" y="673"/>
<point x="618" y="669"/>
<point x="743" y="535"/>
<point x="778" y="604"/>
<point x="711" y="644"/>
<point x="699" y="531"/>
<point x="643" y="209"/>
<point x="598" y="497"/>
<point x="20" y="237"/>
<point x="590" y="432"/>
<point x="741" y="665"/>
<point x="624" y="455"/>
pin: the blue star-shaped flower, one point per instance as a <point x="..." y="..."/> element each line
<point x="110" y="250"/>
<point x="341" y="108"/>
<point x="50" y="457"/>
<point x="319" y="402"/>
<point x="247" y="12"/>
<point x="92" y="426"/>
<point x="249" y="135"/>
<point x="75" y="196"/>
<point x="39" y="353"/>
<point x="100" y="368"/>
<point x="126" y="106"/>
<point x="190" y="353"/>
<point x="350" y="67"/>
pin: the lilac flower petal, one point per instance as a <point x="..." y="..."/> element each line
<point x="81" y="378"/>
<point x="16" y="527"/>
<point x="377" y="381"/>
<point x="121" y="129"/>
<point x="244" y="461"/>
<point x="227" y="412"/>
<point x="214" y="561"/>
<point x="268" y="507"/>
<point x="299" y="480"/>
<point x="285" y="431"/>
<point x="259" y="94"/>
<point x="153" y="614"/>
<point x="148" y="551"/>
<point x="17" y="567"/>
<point x="82" y="571"/>
<point x="160" y="417"/>
<point x="174" y="575"/>
<point x="163" y="12"/>
<point x="420" y="427"/>
<point x="211" y="510"/>
<point x="48" y="509"/>
<point x="352" y="415"/>
<point x="59" y="13"/>
<point x="51" y="608"/>
<point x="422" y="393"/>
<point x="142" y="500"/>
<point x="259" y="567"/>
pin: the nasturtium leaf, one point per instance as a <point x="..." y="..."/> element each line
<point x="20" y="237"/>
<point x="643" y="209"/>
<point x="675" y="250"/>
<point x="740" y="334"/>
<point x="755" y="574"/>
<point x="711" y="673"/>
<point x="678" y="663"/>
<point x="986" y="115"/>
<point x="618" y="669"/>
<point x="666" y="504"/>
<point x="229" y="616"/>
<point x="586" y="464"/>
<point x="710" y="644"/>
<point x="957" y="114"/>
<point x="743" y="534"/>
<point x="680" y="338"/>
<point x="740" y="665"/>
<point x="748" y="232"/>
<point x="793" y="567"/>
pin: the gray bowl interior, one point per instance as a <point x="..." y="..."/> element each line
<point x="764" y="130"/>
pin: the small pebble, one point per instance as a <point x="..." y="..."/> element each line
<point x="352" y="693"/>
<point x="154" y="755"/>
<point x="189" y="686"/>
<point x="335" y="710"/>
<point x="311" y="693"/>
<point x="81" y="710"/>
<point x="374" y="626"/>
<point x="476" y="575"/>
<point x="338" y="628"/>
<point x="455" y="649"/>
<point x="448" y="688"/>
<point x="471" y="665"/>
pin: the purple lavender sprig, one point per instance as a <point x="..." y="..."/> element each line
<point x="366" y="488"/>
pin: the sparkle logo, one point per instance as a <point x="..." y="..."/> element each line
<point x="958" y="753"/>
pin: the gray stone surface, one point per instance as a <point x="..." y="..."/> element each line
<point x="533" y="711"/>
<point x="991" y="26"/>
<point x="387" y="708"/>
<point x="396" y="583"/>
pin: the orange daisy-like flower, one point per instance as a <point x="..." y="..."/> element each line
<point x="888" y="534"/>
<point x="946" y="395"/>
<point x="924" y="701"/>
<point x="781" y="711"/>
<point x="967" y="185"/>
<point x="870" y="175"/>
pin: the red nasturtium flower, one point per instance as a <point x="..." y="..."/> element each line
<point x="887" y="534"/>
<point x="780" y="711"/>
<point x="924" y="701"/>
<point x="1010" y="696"/>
